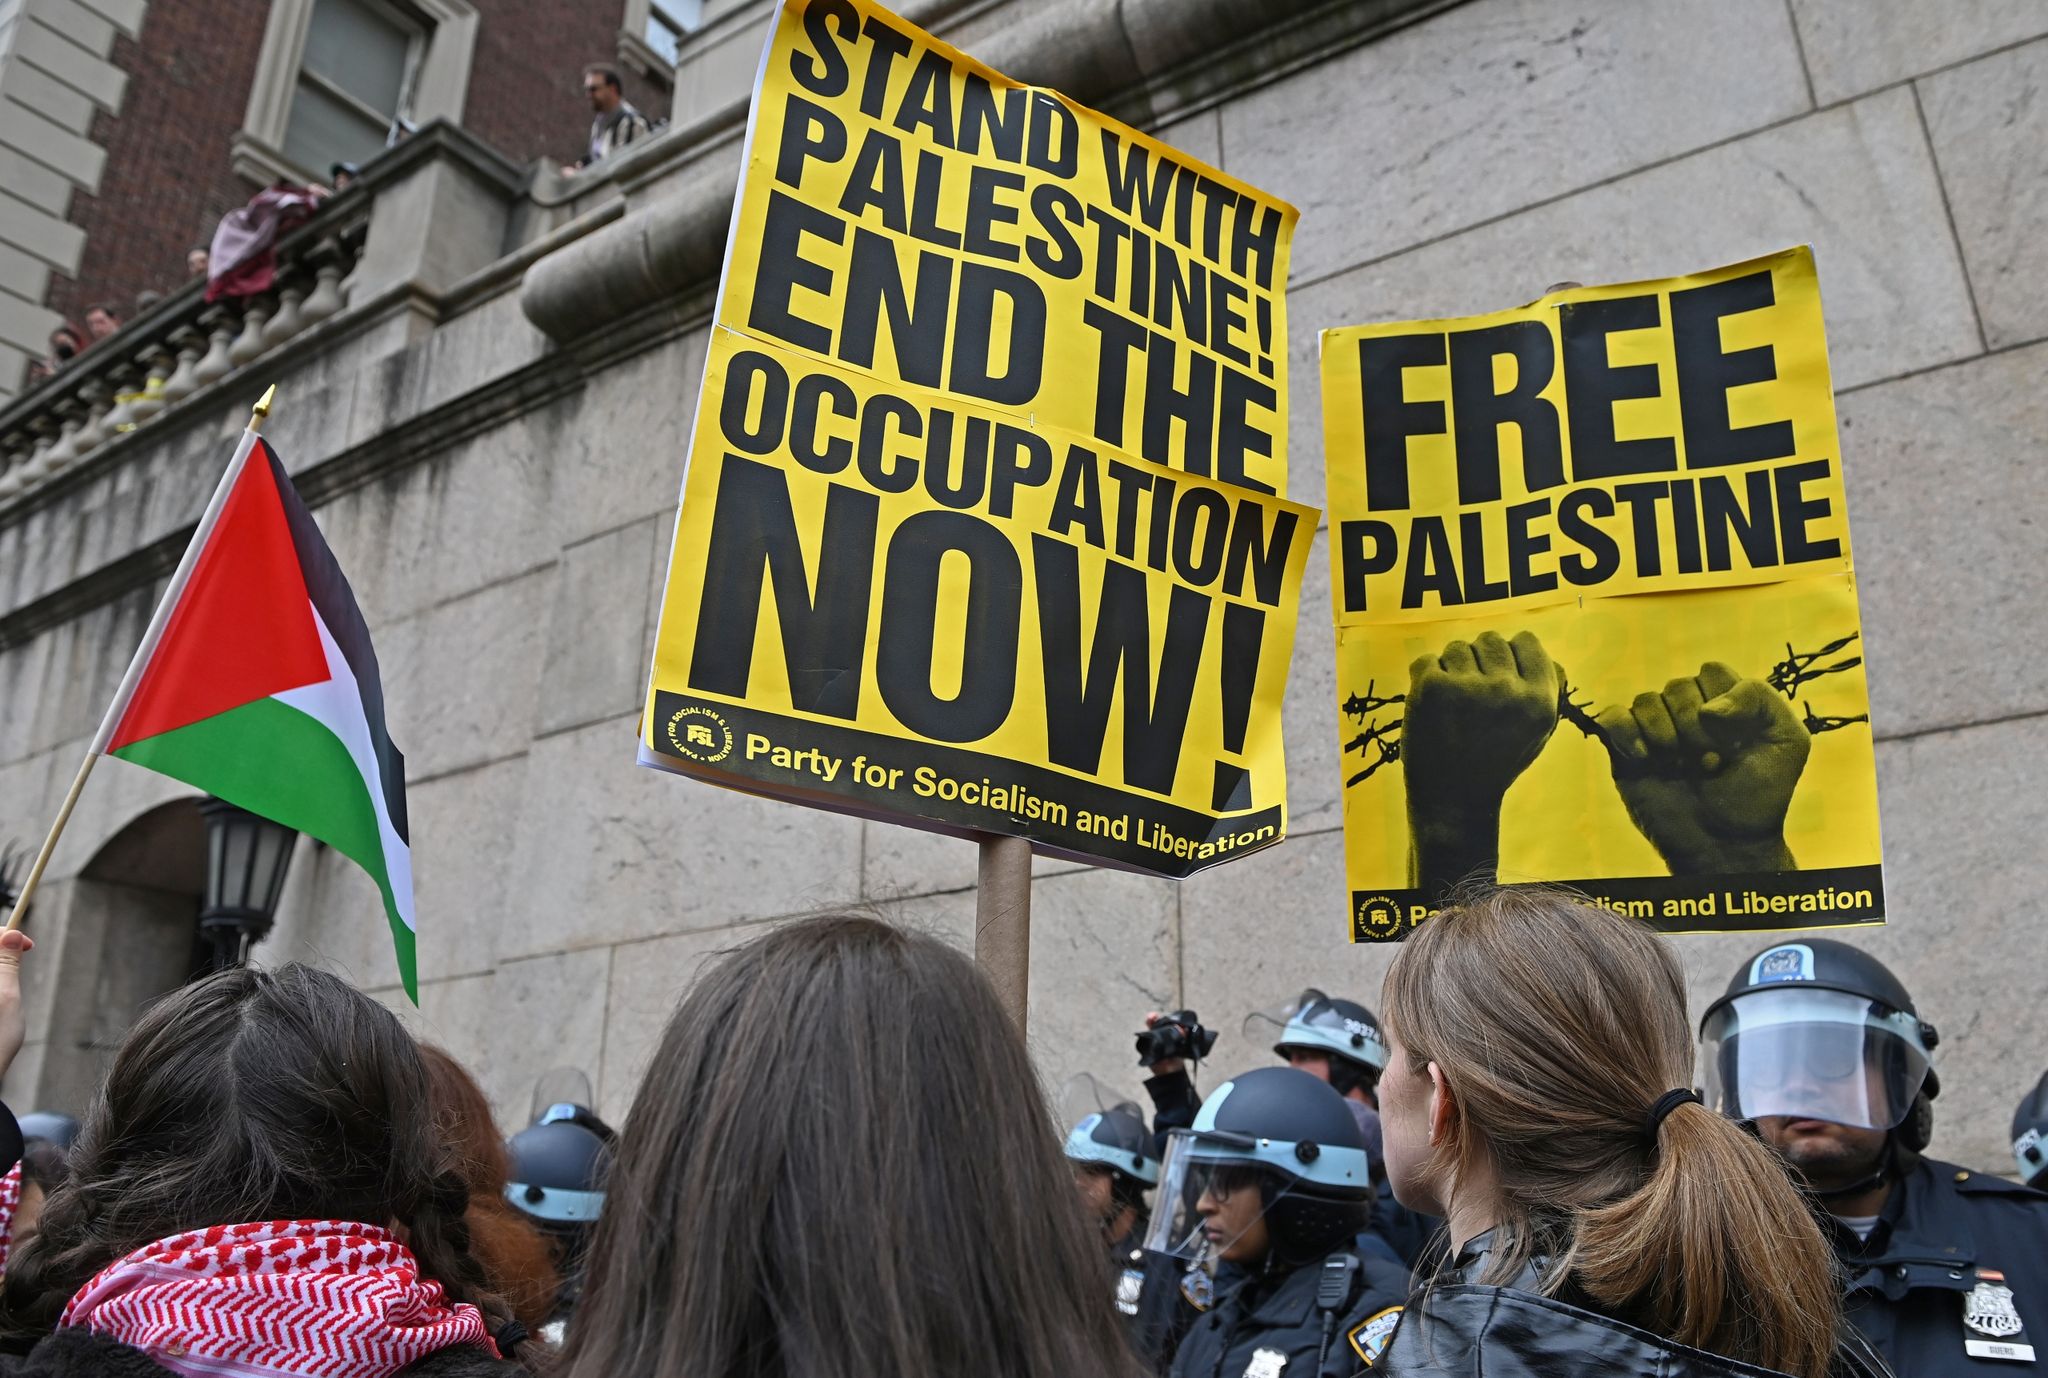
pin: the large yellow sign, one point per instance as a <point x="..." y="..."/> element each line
<point x="981" y="529"/>
<point x="1596" y="612"/>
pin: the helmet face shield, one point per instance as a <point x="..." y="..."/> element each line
<point x="1312" y="1020"/>
<point x="1195" y="1177"/>
<point x="1812" y="1054"/>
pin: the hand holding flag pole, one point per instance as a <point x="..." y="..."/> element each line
<point x="150" y="637"/>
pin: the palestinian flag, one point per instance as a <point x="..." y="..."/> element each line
<point x="262" y="689"/>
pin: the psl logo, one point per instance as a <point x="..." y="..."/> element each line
<point x="1378" y="915"/>
<point x="700" y="734"/>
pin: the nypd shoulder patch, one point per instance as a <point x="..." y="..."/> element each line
<point x="1369" y="1338"/>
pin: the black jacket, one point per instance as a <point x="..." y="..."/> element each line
<point x="1279" y="1316"/>
<point x="1925" y="1265"/>
<point x="82" y="1354"/>
<point x="1458" y="1328"/>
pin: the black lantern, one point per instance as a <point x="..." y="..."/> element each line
<point x="246" y="858"/>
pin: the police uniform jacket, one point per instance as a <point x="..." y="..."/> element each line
<point x="1269" y="1326"/>
<point x="1460" y="1328"/>
<point x="1953" y="1279"/>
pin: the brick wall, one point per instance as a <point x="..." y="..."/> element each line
<point x="526" y="84"/>
<point x="168" y="181"/>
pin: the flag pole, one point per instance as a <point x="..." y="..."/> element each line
<point x="1002" y="921"/>
<point x="154" y="634"/>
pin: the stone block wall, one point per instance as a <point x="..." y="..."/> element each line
<point x="508" y="558"/>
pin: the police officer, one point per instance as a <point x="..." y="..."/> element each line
<point x="1271" y="1184"/>
<point x="557" y="1181"/>
<point x="1114" y="1167"/>
<point x="1341" y="1042"/>
<point x="1819" y="1046"/>
<point x="2029" y="1137"/>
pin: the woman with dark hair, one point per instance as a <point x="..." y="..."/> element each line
<point x="1601" y="1219"/>
<point x="839" y="1166"/>
<point x="258" y="1189"/>
<point x="514" y="1254"/>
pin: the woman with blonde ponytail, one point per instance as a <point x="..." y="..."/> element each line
<point x="1601" y="1220"/>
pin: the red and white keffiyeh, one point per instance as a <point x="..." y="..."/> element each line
<point x="10" y="1202"/>
<point x="308" y="1298"/>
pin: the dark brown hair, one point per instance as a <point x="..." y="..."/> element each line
<point x="251" y="1095"/>
<point x="839" y="1165"/>
<point x="1557" y="1026"/>
<point x="43" y="1164"/>
<point x="514" y="1253"/>
<point x="608" y="74"/>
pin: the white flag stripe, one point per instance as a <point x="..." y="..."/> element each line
<point x="338" y="705"/>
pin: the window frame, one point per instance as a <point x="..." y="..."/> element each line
<point x="437" y="82"/>
<point x="636" y="52"/>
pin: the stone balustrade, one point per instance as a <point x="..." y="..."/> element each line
<point x="178" y="350"/>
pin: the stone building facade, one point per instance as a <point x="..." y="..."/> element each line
<point x="490" y="428"/>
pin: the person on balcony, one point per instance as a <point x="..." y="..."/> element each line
<point x="617" y="123"/>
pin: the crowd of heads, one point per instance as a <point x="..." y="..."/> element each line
<point x="838" y="1162"/>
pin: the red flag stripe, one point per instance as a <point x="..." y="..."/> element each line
<point x="243" y="629"/>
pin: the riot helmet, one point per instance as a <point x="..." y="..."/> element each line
<point x="558" y="1167"/>
<point x="53" y="1125"/>
<point x="1344" y="1029"/>
<point x="1117" y="1139"/>
<point x="559" y="1164"/>
<point x="1276" y="1146"/>
<point x="2030" y="1136"/>
<point x="1816" y="1029"/>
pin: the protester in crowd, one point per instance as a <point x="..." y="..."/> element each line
<point x="261" y="1144"/>
<point x="836" y="1167"/>
<point x="515" y="1255"/>
<point x="1601" y="1219"/>
<point x="102" y="319"/>
<point x="14" y="945"/>
<point x="195" y="261"/>
<point x="2030" y="1136"/>
<point x="617" y="123"/>
<point x="1272" y="1186"/>
<point x="1819" y="1047"/>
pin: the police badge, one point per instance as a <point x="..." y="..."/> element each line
<point x="1266" y="1363"/>
<point x="1988" y="1309"/>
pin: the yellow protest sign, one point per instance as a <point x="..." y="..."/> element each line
<point x="980" y="528"/>
<point x="1596" y="611"/>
